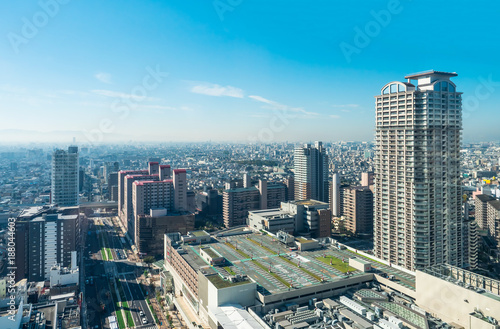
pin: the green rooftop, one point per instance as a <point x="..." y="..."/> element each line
<point x="220" y="283"/>
<point x="199" y="233"/>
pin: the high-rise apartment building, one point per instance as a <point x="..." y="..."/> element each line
<point x="481" y="204"/>
<point x="65" y="177"/>
<point x="311" y="172"/>
<point x="358" y="209"/>
<point x="45" y="236"/>
<point x="418" y="199"/>
<point x="143" y="193"/>
<point x="493" y="211"/>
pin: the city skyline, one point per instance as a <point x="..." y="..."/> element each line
<point x="307" y="75"/>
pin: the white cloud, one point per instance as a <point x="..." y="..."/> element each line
<point x="103" y="77"/>
<point x="278" y="106"/>
<point x="211" y="89"/>
<point x="117" y="94"/>
<point x="335" y="116"/>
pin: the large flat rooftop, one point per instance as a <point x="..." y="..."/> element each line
<point x="276" y="269"/>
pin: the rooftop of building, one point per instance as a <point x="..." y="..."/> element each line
<point x="481" y="284"/>
<point x="304" y="240"/>
<point x="145" y="182"/>
<point x="242" y="189"/>
<point x="255" y="253"/>
<point x="495" y="204"/>
<point x="309" y="202"/>
<point x="221" y="283"/>
<point x="484" y="197"/>
<point x="430" y="72"/>
<point x="199" y="233"/>
<point x="37" y="213"/>
<point x="271" y="213"/>
<point x="210" y="252"/>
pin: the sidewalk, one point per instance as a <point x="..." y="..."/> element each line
<point x="176" y="322"/>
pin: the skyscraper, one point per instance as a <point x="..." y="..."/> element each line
<point x="418" y="202"/>
<point x="65" y="176"/>
<point x="311" y="173"/>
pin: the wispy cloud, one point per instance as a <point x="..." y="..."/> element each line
<point x="117" y="94"/>
<point x="163" y="107"/>
<point x="211" y="89"/>
<point x="346" y="107"/>
<point x="334" y="116"/>
<point x="282" y="107"/>
<point x="103" y="77"/>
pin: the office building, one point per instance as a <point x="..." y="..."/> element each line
<point x="358" y="209"/>
<point x="209" y="203"/>
<point x="65" y="177"/>
<point x="152" y="227"/>
<point x="312" y="217"/>
<point x="45" y="236"/>
<point x="311" y="172"/>
<point x="418" y="197"/>
<point x="236" y="202"/>
<point x="306" y="217"/>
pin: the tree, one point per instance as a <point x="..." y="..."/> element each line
<point x="149" y="259"/>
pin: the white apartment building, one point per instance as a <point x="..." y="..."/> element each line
<point x="418" y="202"/>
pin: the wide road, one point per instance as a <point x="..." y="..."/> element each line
<point x="127" y="272"/>
<point x="97" y="294"/>
<point x="133" y="291"/>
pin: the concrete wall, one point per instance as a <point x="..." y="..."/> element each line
<point x="453" y="303"/>
<point x="243" y="294"/>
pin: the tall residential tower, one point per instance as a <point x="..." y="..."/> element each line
<point x="311" y="173"/>
<point x="65" y="176"/>
<point x="418" y="218"/>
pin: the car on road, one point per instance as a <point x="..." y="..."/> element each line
<point x="144" y="321"/>
<point x="141" y="313"/>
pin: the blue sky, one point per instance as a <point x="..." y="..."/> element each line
<point x="234" y="70"/>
